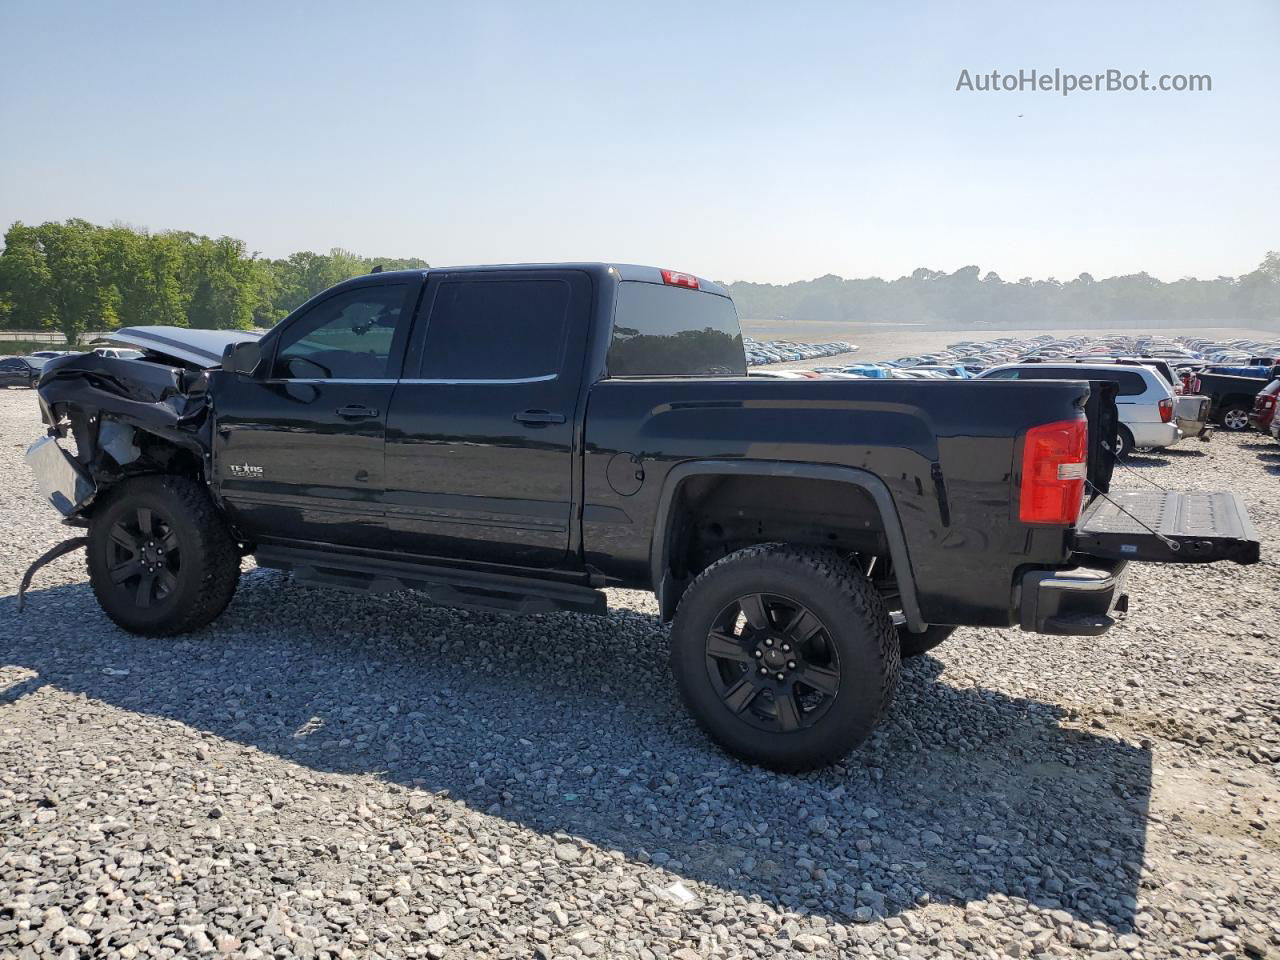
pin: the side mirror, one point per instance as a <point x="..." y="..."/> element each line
<point x="242" y="357"/>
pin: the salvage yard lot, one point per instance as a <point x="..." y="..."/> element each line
<point x="328" y="774"/>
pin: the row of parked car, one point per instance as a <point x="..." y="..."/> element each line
<point x="763" y="352"/>
<point x="1167" y="388"/>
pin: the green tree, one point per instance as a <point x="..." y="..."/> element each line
<point x="226" y="286"/>
<point x="73" y="255"/>
<point x="52" y="276"/>
<point x="25" y="283"/>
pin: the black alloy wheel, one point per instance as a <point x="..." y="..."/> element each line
<point x="145" y="557"/>
<point x="772" y="662"/>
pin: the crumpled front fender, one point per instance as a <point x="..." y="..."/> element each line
<point x="116" y="410"/>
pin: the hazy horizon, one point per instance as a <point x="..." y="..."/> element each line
<point x="769" y="145"/>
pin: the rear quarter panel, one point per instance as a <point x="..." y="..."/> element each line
<point x="948" y="451"/>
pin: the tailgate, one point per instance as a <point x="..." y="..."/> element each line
<point x="1188" y="527"/>
<point x="1191" y="407"/>
<point x="1104" y="424"/>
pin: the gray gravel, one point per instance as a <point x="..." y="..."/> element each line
<point x="323" y="774"/>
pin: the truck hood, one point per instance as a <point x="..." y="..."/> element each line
<point x="202" y="349"/>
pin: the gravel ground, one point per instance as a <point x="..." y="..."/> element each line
<point x="327" y="774"/>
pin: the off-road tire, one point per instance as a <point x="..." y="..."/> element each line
<point x="916" y="644"/>
<point x="209" y="556"/>
<point x="854" y="618"/>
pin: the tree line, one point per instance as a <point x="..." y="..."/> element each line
<point x="76" y="276"/>
<point x="967" y="298"/>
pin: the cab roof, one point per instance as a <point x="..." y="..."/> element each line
<point x="622" y="271"/>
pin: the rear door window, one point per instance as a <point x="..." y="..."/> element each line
<point x="662" y="331"/>
<point x="496" y="329"/>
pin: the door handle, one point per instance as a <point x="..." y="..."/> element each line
<point x="539" y="416"/>
<point x="356" y="411"/>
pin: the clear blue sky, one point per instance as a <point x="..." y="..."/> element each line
<point x="771" y="142"/>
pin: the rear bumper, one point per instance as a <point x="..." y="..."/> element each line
<point x="1074" y="602"/>
<point x="1148" y="434"/>
<point x="1196" y="428"/>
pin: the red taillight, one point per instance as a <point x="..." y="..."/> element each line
<point x="675" y="279"/>
<point x="1195" y="385"/>
<point x="1166" y="409"/>
<point x="1054" y="461"/>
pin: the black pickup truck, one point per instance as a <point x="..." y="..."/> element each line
<point x="516" y="438"/>
<point x="1231" y="395"/>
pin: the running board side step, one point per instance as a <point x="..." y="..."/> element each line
<point x="446" y="586"/>
<point x="1166" y="526"/>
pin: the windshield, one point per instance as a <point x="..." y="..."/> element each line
<point x="662" y="331"/>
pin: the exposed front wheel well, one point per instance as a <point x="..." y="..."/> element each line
<point x="111" y="450"/>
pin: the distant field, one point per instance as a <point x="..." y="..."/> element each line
<point x="888" y="343"/>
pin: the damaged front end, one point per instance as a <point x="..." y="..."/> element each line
<point x="111" y="418"/>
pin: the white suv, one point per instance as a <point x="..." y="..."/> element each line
<point x="1145" y="400"/>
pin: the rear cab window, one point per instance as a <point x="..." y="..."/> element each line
<point x="669" y="331"/>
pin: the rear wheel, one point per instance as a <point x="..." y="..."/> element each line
<point x="1234" y="418"/>
<point x="915" y="644"/>
<point x="787" y="657"/>
<point x="161" y="559"/>
<point x="1124" y="443"/>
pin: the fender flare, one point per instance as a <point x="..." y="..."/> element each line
<point x="660" y="569"/>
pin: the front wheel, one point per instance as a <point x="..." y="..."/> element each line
<point x="1235" y="419"/>
<point x="787" y="657"/>
<point x="161" y="559"/>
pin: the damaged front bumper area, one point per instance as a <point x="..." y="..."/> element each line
<point x="109" y="418"/>
<point x="62" y="480"/>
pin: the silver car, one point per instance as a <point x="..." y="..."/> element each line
<point x="1145" y="400"/>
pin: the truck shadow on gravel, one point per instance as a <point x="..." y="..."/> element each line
<point x="1146" y="459"/>
<point x="570" y="725"/>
